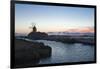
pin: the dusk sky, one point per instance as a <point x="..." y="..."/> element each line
<point x="53" y="18"/>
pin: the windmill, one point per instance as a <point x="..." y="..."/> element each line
<point x="33" y="27"/>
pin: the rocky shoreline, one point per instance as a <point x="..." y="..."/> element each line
<point x="68" y="39"/>
<point x="30" y="53"/>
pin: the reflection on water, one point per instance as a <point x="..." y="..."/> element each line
<point x="68" y="52"/>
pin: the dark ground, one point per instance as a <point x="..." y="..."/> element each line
<point x="29" y="53"/>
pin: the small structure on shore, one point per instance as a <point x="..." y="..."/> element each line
<point x="36" y="35"/>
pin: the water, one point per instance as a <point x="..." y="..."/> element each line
<point x="68" y="52"/>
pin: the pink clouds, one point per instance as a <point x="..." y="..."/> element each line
<point x="83" y="29"/>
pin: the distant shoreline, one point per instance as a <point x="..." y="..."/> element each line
<point x="89" y="40"/>
<point x="61" y="33"/>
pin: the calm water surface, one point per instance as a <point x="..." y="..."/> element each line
<point x="68" y="52"/>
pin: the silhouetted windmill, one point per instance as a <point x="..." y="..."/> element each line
<point x="33" y="27"/>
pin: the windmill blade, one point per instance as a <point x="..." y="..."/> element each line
<point x="33" y="24"/>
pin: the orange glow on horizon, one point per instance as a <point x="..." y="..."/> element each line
<point x="81" y="30"/>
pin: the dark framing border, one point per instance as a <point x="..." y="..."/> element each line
<point x="12" y="29"/>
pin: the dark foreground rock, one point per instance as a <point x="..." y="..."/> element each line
<point x="29" y="53"/>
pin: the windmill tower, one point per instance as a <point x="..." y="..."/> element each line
<point x="34" y="29"/>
